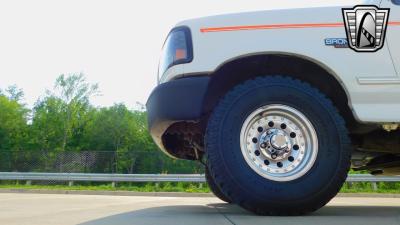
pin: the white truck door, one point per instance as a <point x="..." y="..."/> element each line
<point x="393" y="31"/>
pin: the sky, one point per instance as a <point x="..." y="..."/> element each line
<point x="115" y="43"/>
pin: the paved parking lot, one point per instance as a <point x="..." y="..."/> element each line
<point x="41" y="209"/>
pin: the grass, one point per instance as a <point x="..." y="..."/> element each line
<point x="147" y="187"/>
<point x="361" y="187"/>
<point x="367" y="187"/>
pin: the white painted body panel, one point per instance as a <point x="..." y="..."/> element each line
<point x="370" y="79"/>
<point x="393" y="35"/>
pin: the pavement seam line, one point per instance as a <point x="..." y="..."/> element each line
<point x="224" y="215"/>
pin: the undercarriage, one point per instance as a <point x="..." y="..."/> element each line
<point x="377" y="151"/>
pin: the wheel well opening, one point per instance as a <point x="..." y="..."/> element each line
<point x="240" y="70"/>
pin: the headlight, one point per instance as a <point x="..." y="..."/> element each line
<point x="177" y="49"/>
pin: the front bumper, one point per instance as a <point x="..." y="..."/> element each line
<point x="175" y="101"/>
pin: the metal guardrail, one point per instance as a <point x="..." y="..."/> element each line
<point x="196" y="178"/>
<point x="371" y="178"/>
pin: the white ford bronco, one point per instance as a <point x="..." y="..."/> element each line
<point x="280" y="104"/>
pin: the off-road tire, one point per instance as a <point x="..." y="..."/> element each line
<point x="240" y="183"/>
<point x="215" y="189"/>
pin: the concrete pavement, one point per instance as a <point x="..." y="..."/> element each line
<point x="41" y="209"/>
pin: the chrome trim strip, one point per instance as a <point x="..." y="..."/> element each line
<point x="378" y="80"/>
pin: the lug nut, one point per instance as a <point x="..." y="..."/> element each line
<point x="263" y="145"/>
<point x="274" y="156"/>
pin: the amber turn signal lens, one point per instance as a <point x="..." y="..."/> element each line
<point x="180" y="54"/>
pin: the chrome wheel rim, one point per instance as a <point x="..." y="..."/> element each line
<point x="279" y="142"/>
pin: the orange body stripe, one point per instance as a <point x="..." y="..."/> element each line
<point x="277" y="26"/>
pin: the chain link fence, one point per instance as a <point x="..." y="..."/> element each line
<point x="119" y="162"/>
<point x="128" y="162"/>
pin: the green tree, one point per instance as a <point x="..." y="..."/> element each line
<point x="74" y="93"/>
<point x="13" y="130"/>
<point x="122" y="131"/>
<point x="13" y="123"/>
<point x="64" y="122"/>
<point x="15" y="93"/>
<point x="46" y="129"/>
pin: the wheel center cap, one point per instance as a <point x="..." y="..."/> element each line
<point x="275" y="144"/>
<point x="279" y="141"/>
